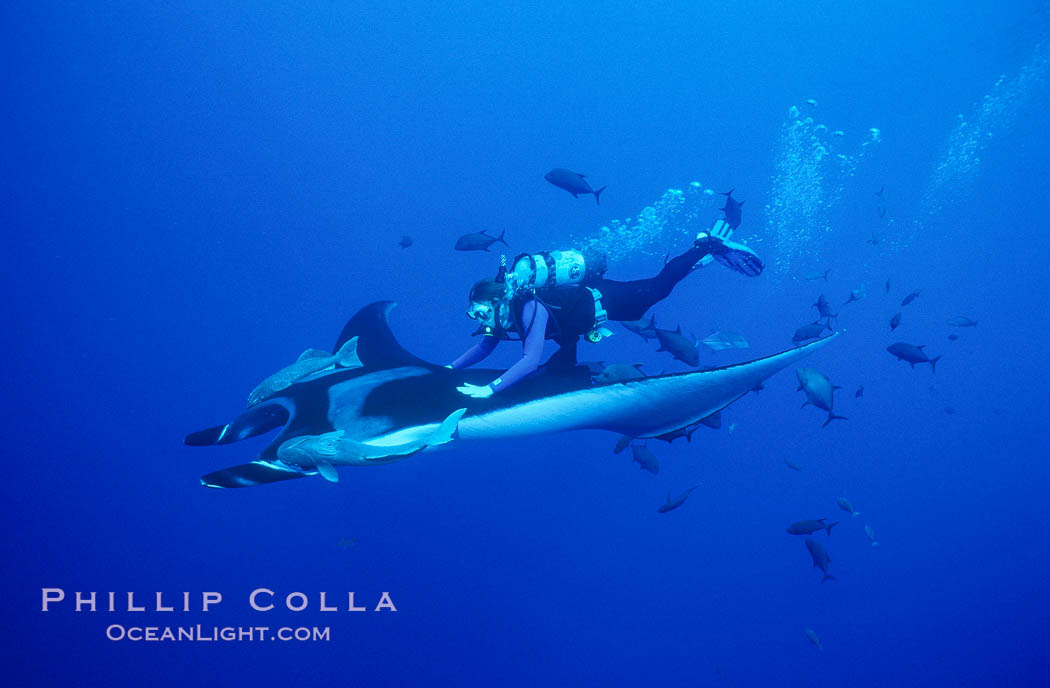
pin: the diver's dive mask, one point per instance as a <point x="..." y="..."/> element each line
<point x="485" y="313"/>
<point x="488" y="306"/>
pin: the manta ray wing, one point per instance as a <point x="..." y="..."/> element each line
<point x="396" y="397"/>
<point x="377" y="346"/>
<point x="646" y="407"/>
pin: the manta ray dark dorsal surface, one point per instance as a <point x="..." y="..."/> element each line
<point x="377" y="347"/>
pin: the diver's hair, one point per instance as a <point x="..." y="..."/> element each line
<point x="487" y="290"/>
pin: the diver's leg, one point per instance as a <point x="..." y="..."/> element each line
<point x="631" y="300"/>
<point x="565" y="356"/>
<point x="678" y="268"/>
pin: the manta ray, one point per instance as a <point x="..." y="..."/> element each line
<point x="394" y="405"/>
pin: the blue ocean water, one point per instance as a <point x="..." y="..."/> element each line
<point x="197" y="192"/>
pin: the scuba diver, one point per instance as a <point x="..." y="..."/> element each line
<point x="561" y="295"/>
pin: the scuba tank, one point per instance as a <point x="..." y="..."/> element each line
<point x="555" y="269"/>
<point x="552" y="269"/>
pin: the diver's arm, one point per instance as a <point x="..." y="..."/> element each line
<point x="532" y="347"/>
<point x="478" y="352"/>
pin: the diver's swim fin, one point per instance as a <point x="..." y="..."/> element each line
<point x="740" y="258"/>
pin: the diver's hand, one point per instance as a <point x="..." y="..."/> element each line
<point x="475" y="391"/>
